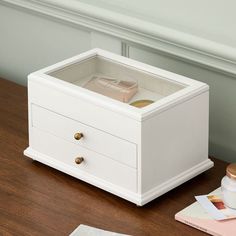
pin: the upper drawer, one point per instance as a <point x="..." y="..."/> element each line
<point x="94" y="139"/>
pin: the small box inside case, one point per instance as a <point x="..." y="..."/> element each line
<point x="122" y="90"/>
<point x="117" y="80"/>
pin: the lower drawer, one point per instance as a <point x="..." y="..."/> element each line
<point x="93" y="164"/>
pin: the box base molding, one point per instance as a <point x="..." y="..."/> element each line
<point x="176" y="181"/>
<point x="81" y="175"/>
<point x="138" y="199"/>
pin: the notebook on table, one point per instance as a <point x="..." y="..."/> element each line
<point x="196" y="216"/>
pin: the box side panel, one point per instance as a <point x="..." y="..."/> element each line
<point x="174" y="141"/>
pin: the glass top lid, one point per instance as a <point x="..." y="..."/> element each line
<point x="118" y="81"/>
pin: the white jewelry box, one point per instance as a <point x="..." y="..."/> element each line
<point x="135" y="153"/>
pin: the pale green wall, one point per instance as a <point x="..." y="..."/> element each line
<point x="30" y="42"/>
<point x="211" y="19"/>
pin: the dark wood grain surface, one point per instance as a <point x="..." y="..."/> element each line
<point x="38" y="200"/>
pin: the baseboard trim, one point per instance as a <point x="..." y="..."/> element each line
<point x="191" y="48"/>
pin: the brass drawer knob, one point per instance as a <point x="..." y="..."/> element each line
<point x="79" y="160"/>
<point x="78" y="136"/>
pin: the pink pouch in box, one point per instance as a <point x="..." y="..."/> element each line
<point x="122" y="90"/>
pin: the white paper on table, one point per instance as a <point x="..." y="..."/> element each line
<point x="85" y="230"/>
<point x="216" y="208"/>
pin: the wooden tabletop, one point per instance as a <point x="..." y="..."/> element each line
<point x="38" y="200"/>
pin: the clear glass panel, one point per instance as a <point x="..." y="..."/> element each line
<point x="118" y="81"/>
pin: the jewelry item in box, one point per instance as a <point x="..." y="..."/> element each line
<point x="122" y="90"/>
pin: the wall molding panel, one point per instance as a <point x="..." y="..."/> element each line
<point x="191" y="48"/>
<point x="38" y="33"/>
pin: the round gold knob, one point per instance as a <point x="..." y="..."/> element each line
<point x="78" y="136"/>
<point x="79" y="160"/>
